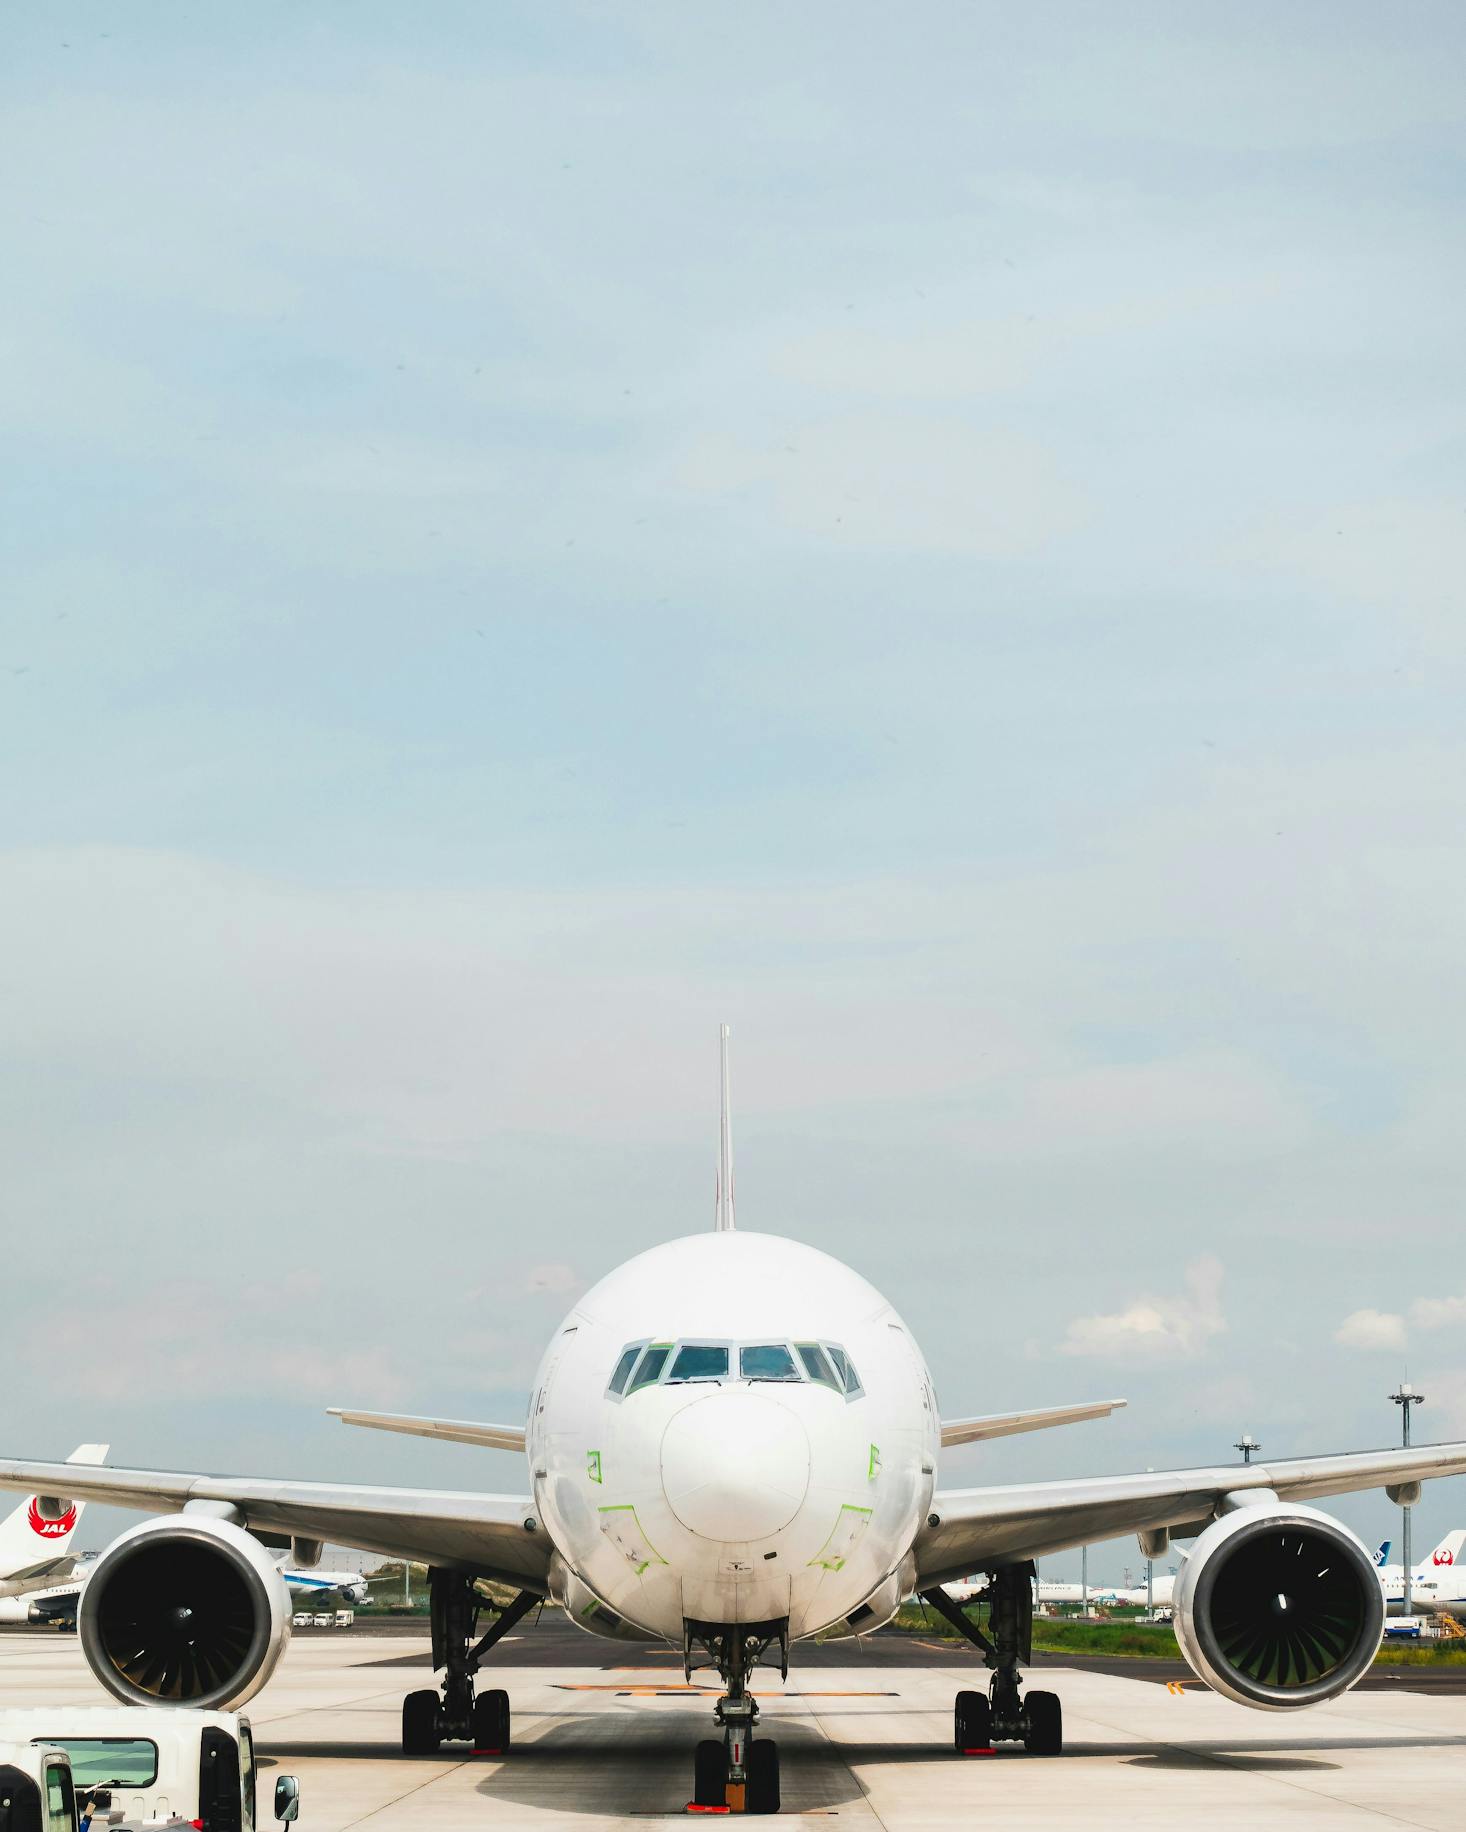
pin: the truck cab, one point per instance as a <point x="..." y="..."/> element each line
<point x="36" y="1791"/>
<point x="144" y="1768"/>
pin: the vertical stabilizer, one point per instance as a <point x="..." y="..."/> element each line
<point x="38" y="1534"/>
<point x="724" y="1221"/>
<point x="1448" y="1552"/>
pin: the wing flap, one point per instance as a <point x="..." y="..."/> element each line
<point x="978" y="1528"/>
<point x="457" y="1431"/>
<point x="484" y="1534"/>
<point x="1005" y="1424"/>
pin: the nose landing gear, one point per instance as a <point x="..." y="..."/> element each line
<point x="458" y="1716"/>
<point x="737" y="1772"/>
<point x="1004" y="1715"/>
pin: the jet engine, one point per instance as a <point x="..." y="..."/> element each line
<point x="1278" y="1605"/>
<point x="186" y="1611"/>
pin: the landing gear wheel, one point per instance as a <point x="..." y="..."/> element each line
<point x="420" y="1733"/>
<point x="491" y="1724"/>
<point x="972" y="1721"/>
<point x="763" y="1776"/>
<point x="710" y="1773"/>
<point x="1043" y="1724"/>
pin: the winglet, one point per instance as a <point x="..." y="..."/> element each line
<point x="723" y="1222"/>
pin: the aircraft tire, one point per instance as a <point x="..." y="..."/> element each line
<point x="1043" y="1724"/>
<point x="710" y="1773"/>
<point x="420" y="1734"/>
<point x="763" y="1776"/>
<point x="491" y="1724"/>
<point x="972" y="1721"/>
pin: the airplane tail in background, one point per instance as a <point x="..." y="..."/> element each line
<point x="37" y="1536"/>
<point x="1448" y="1552"/>
<point x="723" y="1221"/>
<point x="1382" y="1557"/>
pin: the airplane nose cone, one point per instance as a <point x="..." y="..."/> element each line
<point x="735" y="1466"/>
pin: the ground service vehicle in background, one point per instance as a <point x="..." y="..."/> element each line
<point x="36" y="1791"/>
<point x="153" y="1766"/>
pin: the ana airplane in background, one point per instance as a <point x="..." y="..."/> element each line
<point x="733" y="1444"/>
<point x="35" y="1539"/>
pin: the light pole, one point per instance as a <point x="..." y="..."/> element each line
<point x="1084" y="1580"/>
<point x="1247" y="1444"/>
<point x="1405" y="1398"/>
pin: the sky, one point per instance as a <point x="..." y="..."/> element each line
<point x="933" y="536"/>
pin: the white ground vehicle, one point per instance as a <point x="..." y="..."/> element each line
<point x="36" y="1793"/>
<point x="155" y="1766"/>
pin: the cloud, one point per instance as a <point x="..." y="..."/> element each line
<point x="1437" y="1313"/>
<point x="1156" y="1328"/>
<point x="1371" y="1329"/>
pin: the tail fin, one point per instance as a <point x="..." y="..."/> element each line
<point x="723" y="1222"/>
<point x="1448" y="1552"/>
<point x="1382" y="1557"/>
<point x="37" y="1535"/>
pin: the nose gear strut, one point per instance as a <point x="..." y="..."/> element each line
<point x="742" y="1771"/>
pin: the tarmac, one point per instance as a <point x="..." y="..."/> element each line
<point x="603" y="1735"/>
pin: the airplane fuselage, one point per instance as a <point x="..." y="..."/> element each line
<point x="780" y="1471"/>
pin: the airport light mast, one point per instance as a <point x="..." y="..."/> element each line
<point x="1247" y="1444"/>
<point x="1405" y="1398"/>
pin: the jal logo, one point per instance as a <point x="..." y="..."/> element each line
<point x="1444" y="1557"/>
<point x="50" y="1529"/>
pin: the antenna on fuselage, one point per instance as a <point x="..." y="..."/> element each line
<point x="723" y="1212"/>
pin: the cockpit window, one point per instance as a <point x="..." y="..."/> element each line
<point x="649" y="1364"/>
<point x="700" y="1361"/>
<point x="624" y="1367"/>
<point x="845" y="1368"/>
<point x="817" y="1366"/>
<point x="649" y="1368"/>
<point x="767" y="1361"/>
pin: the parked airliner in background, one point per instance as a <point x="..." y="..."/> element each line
<point x="732" y="1444"/>
<point x="35" y="1539"/>
<point x="1437" y="1583"/>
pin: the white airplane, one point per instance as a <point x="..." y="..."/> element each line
<point x="732" y="1444"/>
<point x="1437" y="1583"/>
<point x="35" y="1540"/>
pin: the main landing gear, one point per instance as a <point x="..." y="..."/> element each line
<point x="737" y="1771"/>
<point x="457" y="1716"/>
<point x="1002" y="1716"/>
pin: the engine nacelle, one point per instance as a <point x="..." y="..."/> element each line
<point x="1279" y="1605"/>
<point x="184" y="1611"/>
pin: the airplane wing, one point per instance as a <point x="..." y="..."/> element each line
<point x="1004" y="1424"/>
<point x="493" y="1536"/>
<point x="460" y="1431"/>
<point x="975" y="1529"/>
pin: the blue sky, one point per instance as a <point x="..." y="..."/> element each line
<point x="935" y="539"/>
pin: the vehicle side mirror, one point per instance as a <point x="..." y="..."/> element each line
<point x="287" y="1798"/>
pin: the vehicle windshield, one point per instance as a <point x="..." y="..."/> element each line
<point x="700" y="1361"/>
<point x="100" y="1761"/>
<point x="767" y="1361"/>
